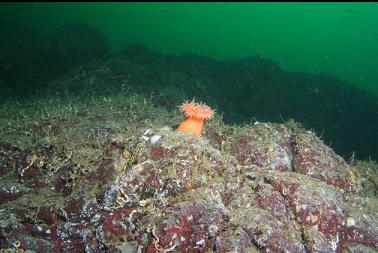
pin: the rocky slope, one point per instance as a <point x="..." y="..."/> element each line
<point x="110" y="174"/>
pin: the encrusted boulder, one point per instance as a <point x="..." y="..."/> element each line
<point x="261" y="188"/>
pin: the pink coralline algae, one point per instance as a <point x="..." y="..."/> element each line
<point x="262" y="188"/>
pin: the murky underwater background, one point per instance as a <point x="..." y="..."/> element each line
<point x="316" y="63"/>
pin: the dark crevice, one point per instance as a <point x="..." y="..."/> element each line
<point x="304" y="240"/>
<point x="254" y="242"/>
<point x="290" y="213"/>
<point x="292" y="151"/>
<point x="286" y="201"/>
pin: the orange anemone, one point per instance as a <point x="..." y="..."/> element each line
<point x="195" y="116"/>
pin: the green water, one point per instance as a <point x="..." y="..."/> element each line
<point x="338" y="38"/>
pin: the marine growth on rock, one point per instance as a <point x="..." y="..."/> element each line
<point x="123" y="180"/>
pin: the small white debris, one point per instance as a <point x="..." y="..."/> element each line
<point x="350" y="222"/>
<point x="335" y="243"/>
<point x="155" y="138"/>
<point x="200" y="243"/>
<point x="148" y="132"/>
<point x="213" y="230"/>
<point x="39" y="228"/>
<point x="174" y="236"/>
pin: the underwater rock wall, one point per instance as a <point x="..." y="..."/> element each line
<point x="113" y="176"/>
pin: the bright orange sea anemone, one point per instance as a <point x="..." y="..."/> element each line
<point x="196" y="115"/>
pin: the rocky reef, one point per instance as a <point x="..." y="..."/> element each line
<point x="74" y="60"/>
<point x="90" y="160"/>
<point x="112" y="175"/>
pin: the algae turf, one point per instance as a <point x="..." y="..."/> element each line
<point x="242" y="90"/>
<point x="110" y="174"/>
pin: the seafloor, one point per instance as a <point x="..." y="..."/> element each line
<point x="84" y="169"/>
<point x="112" y="175"/>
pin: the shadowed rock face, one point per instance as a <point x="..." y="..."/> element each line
<point x="29" y="60"/>
<point x="77" y="44"/>
<point x="261" y="188"/>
